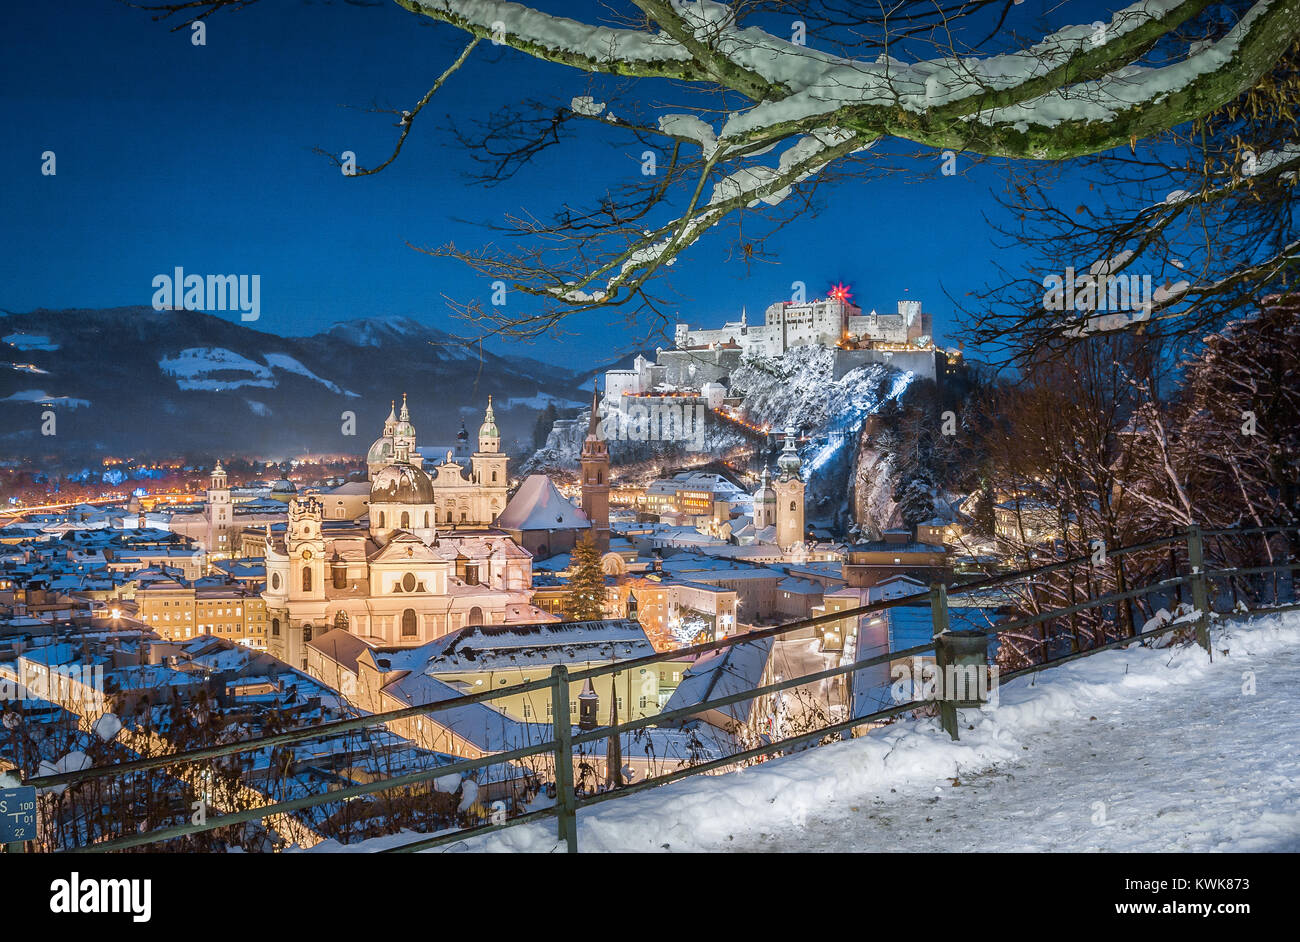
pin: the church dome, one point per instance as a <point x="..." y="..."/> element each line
<point x="380" y="452"/>
<point x="765" y="493"/>
<point x="401" y="483"/>
<point x="284" y="486"/>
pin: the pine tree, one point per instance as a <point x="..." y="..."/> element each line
<point x="587" y="583"/>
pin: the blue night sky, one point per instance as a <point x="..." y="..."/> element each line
<point x="170" y="154"/>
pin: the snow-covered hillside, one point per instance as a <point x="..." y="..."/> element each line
<point x="799" y="389"/>
<point x="1155" y="749"/>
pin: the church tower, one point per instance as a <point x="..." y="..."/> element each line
<point x="764" y="503"/>
<point x="595" y="475"/>
<point x="789" y="489"/>
<point x="306" y="546"/>
<point x="217" y="541"/>
<point x="489" y="469"/>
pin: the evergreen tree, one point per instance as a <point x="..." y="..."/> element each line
<point x="586" y="599"/>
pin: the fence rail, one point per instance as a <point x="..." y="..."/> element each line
<point x="560" y="747"/>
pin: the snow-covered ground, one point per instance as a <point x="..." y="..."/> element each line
<point x="1145" y="749"/>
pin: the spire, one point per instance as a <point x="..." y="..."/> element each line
<point x="489" y="437"/>
<point x="406" y="413"/>
<point x="789" y="464"/>
<point x="392" y="412"/>
<point x="594" y="422"/>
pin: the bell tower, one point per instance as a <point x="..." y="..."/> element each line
<point x="217" y="542"/>
<point x="595" y="475"/>
<point x="488" y="469"/>
<point x="789" y="487"/>
<point x="306" y="546"/>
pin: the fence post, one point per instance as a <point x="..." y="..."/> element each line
<point x="1200" y="596"/>
<point x="939" y="624"/>
<point x="565" y="799"/>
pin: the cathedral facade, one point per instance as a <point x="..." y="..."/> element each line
<point x="421" y="564"/>
<point x="470" y="496"/>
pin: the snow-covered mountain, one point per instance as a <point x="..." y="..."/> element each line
<point x="136" y="381"/>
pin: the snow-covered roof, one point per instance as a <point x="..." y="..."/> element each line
<point x="538" y="505"/>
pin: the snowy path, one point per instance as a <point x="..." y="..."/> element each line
<point x="1142" y="749"/>
<point x="1200" y="769"/>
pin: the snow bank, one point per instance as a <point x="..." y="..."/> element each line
<point x="915" y="756"/>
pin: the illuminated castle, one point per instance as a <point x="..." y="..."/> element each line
<point x="829" y="321"/>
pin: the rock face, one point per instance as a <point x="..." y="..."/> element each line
<point x="137" y="381"/>
<point x="849" y="480"/>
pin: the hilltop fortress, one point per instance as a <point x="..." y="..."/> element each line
<point x="830" y="322"/>
<point x="702" y="360"/>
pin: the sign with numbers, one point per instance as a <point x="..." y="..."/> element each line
<point x="17" y="814"/>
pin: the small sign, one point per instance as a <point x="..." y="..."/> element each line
<point x="17" y="814"/>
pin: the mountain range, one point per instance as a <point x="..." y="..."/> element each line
<point x="136" y="382"/>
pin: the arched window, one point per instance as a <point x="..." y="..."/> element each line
<point x="306" y="633"/>
<point x="791" y="506"/>
<point x="426" y="519"/>
<point x="341" y="620"/>
<point x="494" y="477"/>
<point x="381" y="519"/>
<point x="406" y="520"/>
<point x="408" y="623"/>
<point x="600" y="477"/>
<point x="275" y="627"/>
<point x="306" y="578"/>
<point x="449" y="516"/>
<point x="476" y="616"/>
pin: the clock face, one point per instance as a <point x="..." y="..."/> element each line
<point x="306" y="554"/>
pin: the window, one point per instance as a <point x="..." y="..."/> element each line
<point x="528" y="710"/>
<point x="641" y="703"/>
<point x="426" y="519"/>
<point x="476" y="616"/>
<point x="409" y="629"/>
<point x="791" y="506"/>
<point x="381" y="519"/>
<point x="406" y="520"/>
<point x="494" y="477"/>
<point x="306" y="579"/>
<point x="306" y="633"/>
<point x="408" y="582"/>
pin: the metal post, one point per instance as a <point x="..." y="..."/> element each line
<point x="1200" y="598"/>
<point x="565" y="799"/>
<point x="939" y="623"/>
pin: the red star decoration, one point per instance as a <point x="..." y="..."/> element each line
<point x="840" y="292"/>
